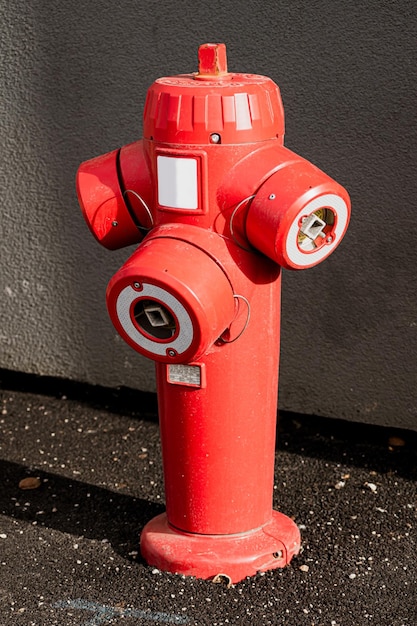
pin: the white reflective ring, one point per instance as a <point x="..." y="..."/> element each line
<point x="331" y="201"/>
<point x="123" y="304"/>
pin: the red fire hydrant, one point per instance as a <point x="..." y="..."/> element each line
<point x="221" y="206"/>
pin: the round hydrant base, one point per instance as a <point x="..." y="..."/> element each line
<point x="206" y="556"/>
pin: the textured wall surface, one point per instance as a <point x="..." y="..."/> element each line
<point x="73" y="79"/>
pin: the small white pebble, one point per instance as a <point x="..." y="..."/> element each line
<point x="304" y="568"/>
<point x="340" y="484"/>
<point x="371" y="486"/>
<point x="3" y="536"/>
<point x="352" y="576"/>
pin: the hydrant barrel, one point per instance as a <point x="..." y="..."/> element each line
<point x="218" y="418"/>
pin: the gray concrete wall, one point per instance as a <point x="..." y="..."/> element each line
<point x="73" y="79"/>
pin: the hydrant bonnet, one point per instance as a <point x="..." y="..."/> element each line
<point x="190" y="108"/>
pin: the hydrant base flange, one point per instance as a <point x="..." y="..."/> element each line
<point x="205" y="556"/>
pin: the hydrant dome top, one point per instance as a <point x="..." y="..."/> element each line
<point x="189" y="108"/>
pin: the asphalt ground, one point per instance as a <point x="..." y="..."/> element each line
<point x="69" y="547"/>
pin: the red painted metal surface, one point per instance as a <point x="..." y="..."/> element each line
<point x="281" y="211"/>
<point x="218" y="439"/>
<point x="223" y="206"/>
<point x="182" y="277"/>
<point x="101" y="199"/>
<point x="235" y="556"/>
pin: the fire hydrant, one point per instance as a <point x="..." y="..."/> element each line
<point x="219" y="206"/>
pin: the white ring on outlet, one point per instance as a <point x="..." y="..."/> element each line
<point x="328" y="201"/>
<point x="123" y="306"/>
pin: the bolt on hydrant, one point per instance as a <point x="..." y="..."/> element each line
<point x="218" y="206"/>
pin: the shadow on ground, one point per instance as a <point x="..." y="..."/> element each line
<point x="76" y="508"/>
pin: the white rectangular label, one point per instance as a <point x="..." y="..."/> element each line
<point x="184" y="375"/>
<point x="177" y="182"/>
